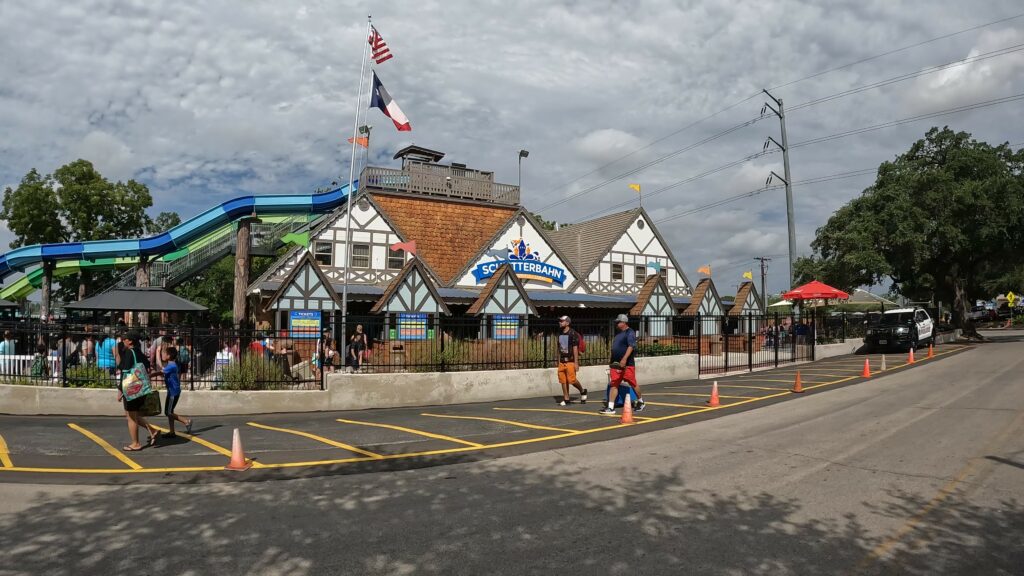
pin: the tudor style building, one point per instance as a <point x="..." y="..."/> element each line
<point x="478" y="252"/>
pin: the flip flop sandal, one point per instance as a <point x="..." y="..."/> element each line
<point x="130" y="449"/>
<point x="152" y="439"/>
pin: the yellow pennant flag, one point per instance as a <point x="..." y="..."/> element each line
<point x="749" y="275"/>
<point x="635" y="187"/>
<point x="706" y="270"/>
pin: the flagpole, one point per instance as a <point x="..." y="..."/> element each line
<point x="351" y="181"/>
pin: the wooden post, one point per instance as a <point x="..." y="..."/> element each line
<point x="142" y="281"/>
<point x="44" y="307"/>
<point x="241" y="271"/>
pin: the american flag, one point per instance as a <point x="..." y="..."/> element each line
<point x="381" y="52"/>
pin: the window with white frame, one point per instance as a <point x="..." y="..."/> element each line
<point x="663" y="273"/>
<point x="323" y="253"/>
<point x="396" y="259"/>
<point x="616" y="272"/>
<point x="639" y="274"/>
<point x="360" y="255"/>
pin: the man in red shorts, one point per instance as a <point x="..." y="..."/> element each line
<point x="623" y="365"/>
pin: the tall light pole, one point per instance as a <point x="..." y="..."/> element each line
<point x="781" y="113"/>
<point x="522" y="154"/>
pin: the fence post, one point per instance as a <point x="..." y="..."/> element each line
<point x="63" y="355"/>
<point x="724" y="327"/>
<point x="775" y="339"/>
<point x="844" y="325"/>
<point x="193" y="357"/>
<point x="750" y="343"/>
<point x="440" y="334"/>
<point x="697" y="325"/>
<point x="545" y="348"/>
<point x="813" y="334"/>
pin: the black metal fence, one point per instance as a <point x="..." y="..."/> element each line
<point x="87" y="356"/>
<point x="75" y="355"/>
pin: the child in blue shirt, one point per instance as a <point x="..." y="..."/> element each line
<point x="173" y="384"/>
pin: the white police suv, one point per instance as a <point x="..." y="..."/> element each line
<point x="902" y="328"/>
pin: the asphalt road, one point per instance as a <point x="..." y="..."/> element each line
<point x="915" y="472"/>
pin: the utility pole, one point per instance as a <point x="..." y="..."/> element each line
<point x="781" y="113"/>
<point x="764" y="260"/>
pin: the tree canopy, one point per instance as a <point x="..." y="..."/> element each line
<point x="75" y="204"/>
<point x="943" y="221"/>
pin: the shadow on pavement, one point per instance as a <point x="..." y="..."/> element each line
<point x="495" y="518"/>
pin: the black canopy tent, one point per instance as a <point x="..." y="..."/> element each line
<point x="7" y="309"/>
<point x="136" y="300"/>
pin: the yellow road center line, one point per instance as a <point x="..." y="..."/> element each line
<point x="557" y="411"/>
<point x="218" y="449"/>
<point x="413" y="431"/>
<point x="327" y="441"/>
<point x="119" y="454"/>
<point x="653" y="403"/>
<point x="501" y="421"/>
<point x="5" y="455"/>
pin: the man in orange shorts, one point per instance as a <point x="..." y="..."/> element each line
<point x="569" y="361"/>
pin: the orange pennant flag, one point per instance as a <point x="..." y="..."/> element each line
<point x="706" y="270"/>
<point x="362" y="141"/>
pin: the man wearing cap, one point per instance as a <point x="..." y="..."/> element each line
<point x="569" y="361"/>
<point x="623" y="364"/>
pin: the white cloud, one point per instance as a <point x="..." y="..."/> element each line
<point x="605" y="145"/>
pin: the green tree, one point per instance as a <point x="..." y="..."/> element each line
<point x="164" y="222"/>
<point x="940" y="221"/>
<point x="76" y="204"/>
<point x="212" y="287"/>
<point x="545" y="224"/>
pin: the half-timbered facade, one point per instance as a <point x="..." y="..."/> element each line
<point x="614" y="254"/>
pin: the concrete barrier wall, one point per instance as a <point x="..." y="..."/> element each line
<point x="349" y="391"/>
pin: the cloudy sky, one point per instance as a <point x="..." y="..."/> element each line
<point x="206" y="101"/>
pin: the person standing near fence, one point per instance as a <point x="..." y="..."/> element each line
<point x="6" y="350"/>
<point x="623" y="364"/>
<point x="569" y="361"/>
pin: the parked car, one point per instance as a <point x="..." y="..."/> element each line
<point x="908" y="328"/>
<point x="978" y="314"/>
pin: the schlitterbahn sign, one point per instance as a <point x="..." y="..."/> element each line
<point x="525" y="263"/>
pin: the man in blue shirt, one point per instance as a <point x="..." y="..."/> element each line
<point x="172" y="381"/>
<point x="623" y="364"/>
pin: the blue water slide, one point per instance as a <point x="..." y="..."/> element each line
<point x="178" y="237"/>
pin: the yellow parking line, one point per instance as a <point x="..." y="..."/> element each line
<point x="327" y="441"/>
<point x="218" y="449"/>
<point x="697" y="395"/>
<point x="726" y="385"/>
<point x="5" y="456"/>
<point x="556" y="410"/>
<point x="412" y="431"/>
<point x="119" y="454"/>
<point x="653" y="403"/>
<point x="501" y="421"/>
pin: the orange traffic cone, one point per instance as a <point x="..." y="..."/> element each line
<point x="238" y="461"/>
<point x="931" y="352"/>
<point x="627" y="411"/>
<point x="713" y="401"/>
<point x="910" y="357"/>
<point x="882" y="368"/>
<point x="797" y="386"/>
<point x="867" y="369"/>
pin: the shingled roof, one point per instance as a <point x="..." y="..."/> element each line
<point x="647" y="290"/>
<point x="492" y="284"/>
<point x="746" y="290"/>
<point x="697" y="297"/>
<point x="585" y="243"/>
<point x="447" y="233"/>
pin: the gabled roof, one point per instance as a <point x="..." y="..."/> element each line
<point x="585" y="243"/>
<point x="413" y="265"/>
<point x="746" y="289"/>
<point x="419" y="151"/>
<point x="323" y="291"/>
<point x="492" y="284"/>
<point x="653" y="282"/>
<point x="447" y="233"/>
<point x="544" y="234"/>
<point x="137" y="300"/>
<point x="705" y="285"/>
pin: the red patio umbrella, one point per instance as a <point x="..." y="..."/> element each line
<point x="815" y="290"/>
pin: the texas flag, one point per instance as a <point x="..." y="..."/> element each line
<point x="381" y="99"/>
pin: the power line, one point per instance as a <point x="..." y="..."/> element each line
<point x="783" y="85"/>
<point x="894" y="51"/>
<point x="647" y="165"/>
<point x="911" y="75"/>
<point x="890" y="124"/>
